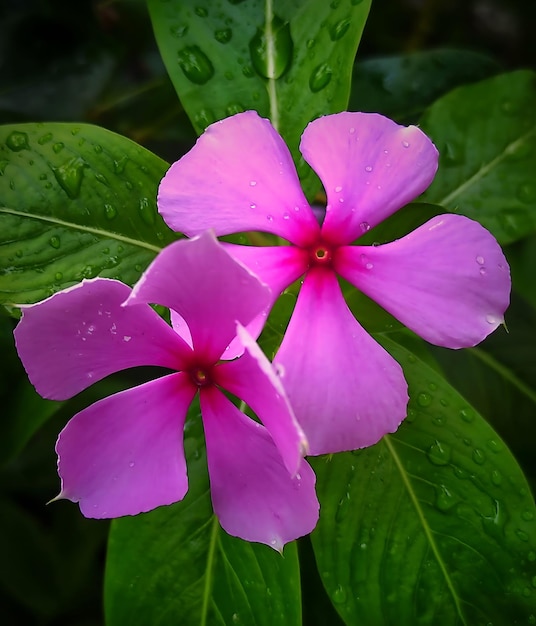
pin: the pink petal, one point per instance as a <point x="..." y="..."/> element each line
<point x="124" y="455"/>
<point x="252" y="379"/>
<point x="211" y="291"/>
<point x="448" y="280"/>
<point x="370" y="167"/>
<point x="345" y="389"/>
<point x="239" y="176"/>
<point x="82" y="334"/>
<point x="253" y="494"/>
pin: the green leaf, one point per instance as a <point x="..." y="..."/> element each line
<point x="175" y="565"/>
<point x="401" y="87"/>
<point x="433" y="525"/>
<point x="75" y="202"/>
<point x="290" y="61"/>
<point x="486" y="136"/>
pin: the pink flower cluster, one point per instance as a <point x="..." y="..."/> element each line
<point x="336" y="388"/>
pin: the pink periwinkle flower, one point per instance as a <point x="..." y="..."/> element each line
<point x="448" y="280"/>
<point x="124" y="454"/>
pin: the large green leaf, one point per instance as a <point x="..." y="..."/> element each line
<point x="290" y="61"/>
<point x="486" y="136"/>
<point x="76" y="201"/>
<point x="402" y="86"/>
<point x="433" y="525"/>
<point x="176" y="565"/>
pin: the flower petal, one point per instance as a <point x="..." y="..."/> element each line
<point x="124" y="455"/>
<point x="211" y="291"/>
<point x="239" y="176"/>
<point x="448" y="280"/>
<point x="345" y="389"/>
<point x="253" y="494"/>
<point x="253" y="379"/>
<point x="82" y="334"/>
<point x="370" y="167"/>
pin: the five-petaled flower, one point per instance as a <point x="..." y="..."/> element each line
<point x="448" y="280"/>
<point x="124" y="454"/>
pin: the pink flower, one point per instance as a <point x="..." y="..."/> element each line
<point x="124" y="454"/>
<point x="448" y="280"/>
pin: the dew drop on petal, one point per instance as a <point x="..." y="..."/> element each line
<point x="368" y="168"/>
<point x="405" y="144"/>
<point x="480" y="260"/>
<point x="338" y="189"/>
<point x="252" y="206"/>
<point x="252" y="183"/>
<point x="126" y="338"/>
<point x="270" y="218"/>
<point x="365" y="227"/>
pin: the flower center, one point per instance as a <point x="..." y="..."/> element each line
<point x="201" y="376"/>
<point x="320" y="254"/>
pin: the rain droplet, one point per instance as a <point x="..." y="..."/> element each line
<point x="146" y="211"/>
<point x="338" y="30"/>
<point x="482" y="271"/>
<point x="491" y="319"/>
<point x="17" y="141"/>
<point x="97" y="148"/>
<point x="252" y="183"/>
<point x="478" y="456"/>
<point x="527" y="192"/>
<point x="234" y="108"/>
<point x="522" y="535"/>
<point x="126" y="338"/>
<point x="439" y="453"/>
<point x="338" y="189"/>
<point x="271" y="49"/>
<point x="70" y="175"/>
<point x="54" y="241"/>
<point x="405" y="144"/>
<point x="424" y="399"/>
<point x="339" y="595"/>
<point x="101" y="178"/>
<point x="527" y="515"/>
<point x="496" y="478"/>
<point x="224" y="35"/>
<point x="320" y="77"/>
<point x="58" y="147"/>
<point x="444" y="500"/>
<point x="252" y="206"/>
<point x="368" y="168"/>
<point x="179" y="30"/>
<point x="131" y="464"/>
<point x="364" y="226"/>
<point x="480" y="260"/>
<point x="44" y="139"/>
<point x="119" y="164"/>
<point x="201" y="11"/>
<point x="467" y="415"/>
<point x="270" y="218"/>
<point x="4" y="164"/>
<point x="195" y="64"/>
<point x="110" y="211"/>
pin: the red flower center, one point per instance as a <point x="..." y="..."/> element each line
<point x="321" y="254"/>
<point x="201" y="376"/>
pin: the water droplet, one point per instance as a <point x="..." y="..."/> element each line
<point x="224" y="35"/>
<point x="478" y="456"/>
<point x="90" y="271"/>
<point x="252" y="183"/>
<point x="126" y="338"/>
<point x="522" y="535"/>
<point x="286" y="216"/>
<point x="110" y="211"/>
<point x="320" y="77"/>
<point x="527" y="192"/>
<point x="3" y="165"/>
<point x="338" y="30"/>
<point x="17" y="141"/>
<point x="201" y="11"/>
<point x="310" y="44"/>
<point x="494" y="445"/>
<point x="492" y="319"/>
<point x="97" y="148"/>
<point x="252" y="206"/>
<point x="444" y="500"/>
<point x="467" y="415"/>
<point x="101" y="178"/>
<point x="70" y="175"/>
<point x="509" y="108"/>
<point x="54" y="241"/>
<point x="496" y="478"/>
<point x="234" y="108"/>
<point x="482" y="271"/>
<point x="527" y="516"/>
<point x="44" y="139"/>
<point x="271" y="49"/>
<point x="131" y="464"/>
<point x="365" y="227"/>
<point x="480" y="260"/>
<point x="339" y="595"/>
<point x="58" y="147"/>
<point x="424" y="399"/>
<point x="178" y="30"/>
<point x="368" y="168"/>
<point x="405" y="144"/>
<point x="147" y="211"/>
<point x="119" y="164"/>
<point x="270" y="218"/>
<point x="439" y="453"/>
<point x="195" y="64"/>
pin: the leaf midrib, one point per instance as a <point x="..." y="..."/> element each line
<point x="425" y="526"/>
<point x="81" y="228"/>
<point x="487" y="167"/>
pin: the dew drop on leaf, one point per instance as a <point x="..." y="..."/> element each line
<point x="44" y="139"/>
<point x="70" y="175"/>
<point x="439" y="453"/>
<point x="195" y="64"/>
<point x="424" y="399"/>
<point x="338" y="30"/>
<point x="179" y="30"/>
<point x="478" y="456"/>
<point x="58" y="147"/>
<point x="17" y="141"/>
<point x="146" y="211"/>
<point x="119" y="164"/>
<point x="320" y="77"/>
<point x="54" y="242"/>
<point x="339" y="595"/>
<point x="110" y="211"/>
<point x="527" y="192"/>
<point x="271" y="49"/>
<point x="223" y="35"/>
